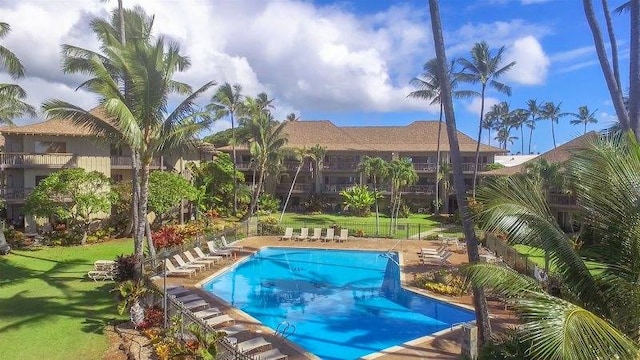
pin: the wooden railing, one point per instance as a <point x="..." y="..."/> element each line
<point x="336" y="188"/>
<point x="469" y="167"/>
<point x="13" y="194"/>
<point x="340" y="165"/>
<point x="425" y="189"/>
<point x="244" y="166"/>
<point x="296" y="187"/>
<point x="27" y="160"/>
<point x="124" y="162"/>
<point x="424" y="166"/>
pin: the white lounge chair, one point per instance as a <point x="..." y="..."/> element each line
<point x="96" y="275"/>
<point x="226" y="245"/>
<point x="177" y="290"/>
<point x="329" y="235"/>
<point x="273" y="354"/>
<point x="431" y="251"/>
<point x="344" y="235"/>
<point x="207" y="313"/>
<point x="288" y="234"/>
<point x="195" y="304"/>
<point x="187" y="298"/>
<point x="317" y="234"/>
<point x="214" y="250"/>
<point x="201" y="255"/>
<point x="193" y="260"/>
<point x="443" y="259"/>
<point x="304" y="234"/>
<point x="172" y="270"/>
<point x="184" y="264"/>
<point x="233" y="329"/>
<point x="218" y="320"/>
<point x="252" y="344"/>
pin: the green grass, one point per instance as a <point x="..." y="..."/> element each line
<point x="536" y="255"/>
<point x="49" y="309"/>
<point x="412" y="225"/>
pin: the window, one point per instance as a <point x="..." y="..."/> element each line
<point x="48" y="147"/>
<point x="116" y="178"/>
<point x="39" y="178"/>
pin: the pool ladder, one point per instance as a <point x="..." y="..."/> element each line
<point x="285" y="329"/>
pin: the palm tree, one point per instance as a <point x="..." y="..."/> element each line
<point x="484" y="68"/>
<point x="444" y="179"/>
<point x="429" y="86"/>
<point x="301" y="156"/>
<point x="504" y="136"/>
<point x="265" y="145"/>
<point x="12" y="105"/>
<point x="401" y="174"/>
<point x="518" y="120"/>
<point x="479" y="299"/>
<point x="293" y="117"/>
<point x="490" y="122"/>
<point x="552" y="112"/>
<point x="317" y="155"/>
<point x="226" y="102"/>
<point x="378" y="169"/>
<point x="533" y="111"/>
<point x="141" y="119"/>
<point x="584" y="116"/>
<point x="599" y="317"/>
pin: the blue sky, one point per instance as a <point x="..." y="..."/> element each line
<point x="345" y="61"/>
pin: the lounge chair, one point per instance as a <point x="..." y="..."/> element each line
<point x="207" y="313"/>
<point x="252" y="344"/>
<point x="431" y="251"/>
<point x="193" y="260"/>
<point x="201" y="255"/>
<point x="233" y="329"/>
<point x="96" y="275"/>
<point x="344" y="235"/>
<point x="177" y="290"/>
<point x="443" y="259"/>
<point x="172" y="270"/>
<point x="304" y="234"/>
<point x="184" y="264"/>
<point x="288" y="234"/>
<point x="273" y="354"/>
<point x="218" y="320"/>
<point x="226" y="245"/>
<point x="187" y="298"/>
<point x="329" y="236"/>
<point x="214" y="250"/>
<point x="192" y="305"/>
<point x="317" y="234"/>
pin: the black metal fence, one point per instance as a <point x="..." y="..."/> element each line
<point x="509" y="255"/>
<point x="401" y="230"/>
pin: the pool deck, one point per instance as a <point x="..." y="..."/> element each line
<point x="443" y="346"/>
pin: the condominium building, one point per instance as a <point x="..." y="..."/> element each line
<point x="32" y="152"/>
<point x="345" y="148"/>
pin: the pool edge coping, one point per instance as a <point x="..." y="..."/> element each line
<point x="374" y="355"/>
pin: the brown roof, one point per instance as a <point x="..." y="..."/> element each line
<point x="558" y="155"/>
<point x="417" y="136"/>
<point x="55" y="126"/>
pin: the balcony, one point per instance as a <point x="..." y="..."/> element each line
<point x="419" y="189"/>
<point x="297" y="188"/>
<point x="29" y="160"/>
<point x="340" y="165"/>
<point x="124" y="162"/>
<point x="14" y="195"/>
<point x="561" y="199"/>
<point x="244" y="165"/>
<point x="336" y="188"/>
<point x="469" y="167"/>
<point x="428" y="167"/>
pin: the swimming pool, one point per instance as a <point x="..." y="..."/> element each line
<point x="344" y="304"/>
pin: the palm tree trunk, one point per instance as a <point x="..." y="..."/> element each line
<point x="553" y="134"/>
<point x="293" y="183"/>
<point x="235" y="167"/>
<point x="375" y="191"/>
<point x="123" y="38"/>
<point x="479" y="299"/>
<point x="585" y="127"/>
<point x="521" y="140"/>
<point x="475" y="168"/>
<point x="137" y="234"/>
<point x="257" y="190"/>
<point x="634" y="69"/>
<point x="437" y="205"/>
<point x="152" y="248"/>
<point x="530" y="136"/>
<point x="612" y="42"/>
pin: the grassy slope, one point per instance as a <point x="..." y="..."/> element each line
<point x="49" y="309"/>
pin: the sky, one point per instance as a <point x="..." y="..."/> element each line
<point x="345" y="61"/>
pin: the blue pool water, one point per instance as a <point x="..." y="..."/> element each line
<point x="344" y="304"/>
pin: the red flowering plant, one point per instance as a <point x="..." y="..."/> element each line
<point x="167" y="237"/>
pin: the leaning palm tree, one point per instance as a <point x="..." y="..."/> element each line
<point x="584" y="117"/>
<point x="551" y="111"/>
<point x="12" y="104"/>
<point x="598" y="315"/>
<point x="533" y="111"/>
<point x="300" y="155"/>
<point x="226" y="102"/>
<point x="141" y="119"/>
<point x="378" y="169"/>
<point x="317" y="155"/>
<point x="479" y="299"/>
<point x="486" y="69"/>
<point x="429" y="89"/>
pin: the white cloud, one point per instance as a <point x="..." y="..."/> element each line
<point x="531" y="61"/>
<point x="475" y="104"/>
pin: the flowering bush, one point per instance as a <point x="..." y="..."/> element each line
<point x="167" y="236"/>
<point x="153" y="317"/>
<point x="191" y="230"/>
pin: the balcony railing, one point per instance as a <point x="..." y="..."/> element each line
<point x="244" y="166"/>
<point x="340" y="165"/>
<point x="29" y="160"/>
<point x="561" y="199"/>
<point x="296" y="188"/>
<point x="423" y="189"/>
<point x="124" y="162"/>
<point x="424" y="167"/>
<point x="14" y="194"/>
<point x="469" y="167"/>
<point x="336" y="188"/>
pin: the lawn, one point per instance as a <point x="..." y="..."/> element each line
<point x="49" y="309"/>
<point x="536" y="255"/>
<point x="407" y="227"/>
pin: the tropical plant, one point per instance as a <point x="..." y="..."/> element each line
<point x="401" y="174"/>
<point x="430" y="89"/>
<point x="358" y="200"/>
<point x="12" y="96"/>
<point x="597" y="315"/>
<point x="479" y="299"/>
<point x="533" y="111"/>
<point x="130" y="293"/>
<point x="226" y="102"/>
<point x="214" y="181"/>
<point x="167" y="190"/>
<point x="301" y="156"/>
<point x="317" y="155"/>
<point x="378" y="169"/>
<point x="73" y="195"/>
<point x="486" y="69"/>
<point x="584" y="117"/>
<point x="518" y="118"/>
<point x="133" y="84"/>
<point x="268" y="204"/>
<point x="551" y="111"/>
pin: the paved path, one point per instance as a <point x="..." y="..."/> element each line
<point x="424" y="234"/>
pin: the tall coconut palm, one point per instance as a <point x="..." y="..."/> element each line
<point x="141" y="119"/>
<point x="12" y="96"/>
<point x="533" y="111"/>
<point x="599" y="317"/>
<point x="301" y="155"/>
<point x="551" y="111"/>
<point x="377" y="169"/>
<point x="401" y="174"/>
<point x="584" y="117"/>
<point x="504" y="137"/>
<point x="317" y="155"/>
<point x="226" y="102"/>
<point x="429" y="89"/>
<point x="486" y="69"/>
<point x="479" y="299"/>
<point x="293" y="117"/>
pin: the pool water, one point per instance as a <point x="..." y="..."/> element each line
<point x="344" y="304"/>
